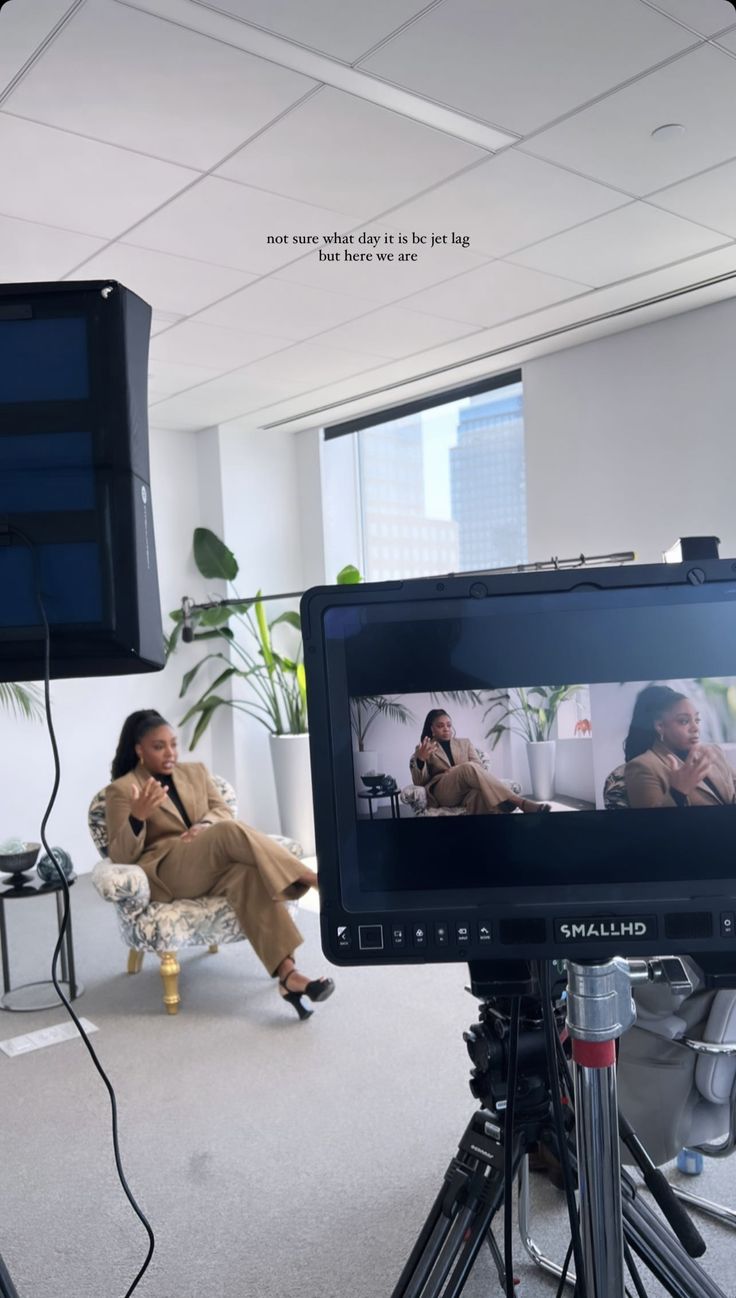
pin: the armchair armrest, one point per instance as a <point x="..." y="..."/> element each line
<point x="126" y="885"/>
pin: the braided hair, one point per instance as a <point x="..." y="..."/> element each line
<point x="134" y="728"/>
<point x="429" y="721"/>
<point x="651" y="704"/>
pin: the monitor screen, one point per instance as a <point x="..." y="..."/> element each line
<point x="460" y="729"/>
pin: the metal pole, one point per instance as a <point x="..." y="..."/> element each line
<point x="600" y="1009"/>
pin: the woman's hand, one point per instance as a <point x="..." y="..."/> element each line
<point x="685" y="776"/>
<point x="144" y="801"/>
<point x="193" y="830"/>
<point x="426" y="749"/>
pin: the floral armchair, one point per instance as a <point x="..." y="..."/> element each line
<point x="163" y="927"/>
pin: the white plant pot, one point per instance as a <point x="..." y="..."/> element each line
<point x="541" y="757"/>
<point x="363" y="764"/>
<point x="293" y="777"/>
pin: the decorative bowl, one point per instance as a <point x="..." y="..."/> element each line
<point x="19" y="862"/>
<point x="373" y="781"/>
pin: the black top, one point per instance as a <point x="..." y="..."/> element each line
<point x="167" y="782"/>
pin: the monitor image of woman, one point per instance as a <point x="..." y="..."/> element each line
<point x="666" y="764"/>
<point x="453" y="774"/>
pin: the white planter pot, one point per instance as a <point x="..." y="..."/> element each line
<point x="290" y="757"/>
<point x="363" y="764"/>
<point x="541" y="757"/>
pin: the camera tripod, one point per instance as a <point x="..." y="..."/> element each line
<point x="519" y="1069"/>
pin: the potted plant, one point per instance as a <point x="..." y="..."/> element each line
<point x="261" y="661"/>
<point x="531" y="713"/>
<point x="363" y="712"/>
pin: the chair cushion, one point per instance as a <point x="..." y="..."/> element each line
<point x="615" y="797"/>
<point x="715" y="1075"/>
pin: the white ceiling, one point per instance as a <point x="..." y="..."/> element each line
<point x="161" y="142"/>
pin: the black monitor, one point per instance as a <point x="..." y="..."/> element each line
<point x="558" y="813"/>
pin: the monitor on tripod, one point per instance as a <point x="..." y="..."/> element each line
<point x="536" y="765"/>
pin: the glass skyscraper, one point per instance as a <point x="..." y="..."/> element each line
<point x="488" y="481"/>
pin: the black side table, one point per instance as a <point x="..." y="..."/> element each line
<point x="392" y="795"/>
<point x="36" y="996"/>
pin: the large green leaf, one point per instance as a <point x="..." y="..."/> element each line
<point x="293" y="619"/>
<point x="212" y="556"/>
<point x="348" y="576"/>
<point x="188" y="677"/>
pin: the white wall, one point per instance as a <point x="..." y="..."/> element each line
<point x="630" y="440"/>
<point x="88" y="713"/>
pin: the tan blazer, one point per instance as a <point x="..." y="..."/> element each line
<point x="161" y="831"/>
<point x="430" y="772"/>
<point x="648" y="780"/>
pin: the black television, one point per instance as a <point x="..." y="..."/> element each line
<point x="595" y="850"/>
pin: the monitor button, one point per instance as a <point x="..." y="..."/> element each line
<point x="441" y="933"/>
<point x="419" y="935"/>
<point x="462" y="933"/>
<point x="344" y="938"/>
<point x="398" y="935"/>
<point x="370" y="937"/>
<point x="484" y="932"/>
<point x="728" y="923"/>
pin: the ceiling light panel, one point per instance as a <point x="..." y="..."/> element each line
<point x="229" y="224"/>
<point x="130" y="79"/>
<point x="612" y="141"/>
<point x="509" y="201"/>
<point x="521" y="65"/>
<point x="341" y="152"/>
<point x="29" y="251"/>
<point x="627" y="242"/>
<point x="339" y="28"/>
<point x="78" y="183"/>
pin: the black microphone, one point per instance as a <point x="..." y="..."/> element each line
<point x="187" y="630"/>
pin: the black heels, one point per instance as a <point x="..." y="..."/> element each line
<point x="319" y="989"/>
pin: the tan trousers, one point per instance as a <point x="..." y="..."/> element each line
<point x="253" y="872"/>
<point x="469" y="785"/>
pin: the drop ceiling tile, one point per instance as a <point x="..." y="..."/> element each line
<point x="630" y="241"/>
<point x="494" y="293"/>
<point x="383" y="281"/>
<point x="521" y="65"/>
<point x="135" y="80"/>
<point x="352" y="156"/>
<point x="79" y="184"/>
<point x="222" y="221"/>
<point x="311" y="363"/>
<point x="214" y="402"/>
<point x="612" y="141"/>
<point x="509" y="201"/>
<point x="394" y="332"/>
<point x="24" y="27"/>
<point x="709" y="199"/>
<point x="176" y="285"/>
<point x="704" y="16"/>
<point x="729" y="41"/>
<point x="343" y="30"/>
<point x="192" y="343"/>
<point x="31" y="252"/>
<point x="166" y="378"/>
<point x="288" y="311"/>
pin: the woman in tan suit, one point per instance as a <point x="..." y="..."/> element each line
<point x="666" y="765"/>
<point x="168" y="817"/>
<point x="452" y="772"/>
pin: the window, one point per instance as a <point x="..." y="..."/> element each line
<point x="443" y="487"/>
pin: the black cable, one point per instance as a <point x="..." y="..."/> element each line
<point x="508" y="1146"/>
<point x="550" y="1033"/>
<point x="65" y="918"/>
<point x="638" y="1285"/>
<point x="565" y="1269"/>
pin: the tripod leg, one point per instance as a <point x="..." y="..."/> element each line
<point x="7" y="1288"/>
<point x="662" y="1252"/>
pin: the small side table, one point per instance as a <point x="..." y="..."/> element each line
<point x="393" y="797"/>
<point x="36" y="996"/>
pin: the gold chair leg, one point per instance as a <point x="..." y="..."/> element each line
<point x="170" y="975"/>
<point x="214" y="949"/>
<point x="135" y="961"/>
